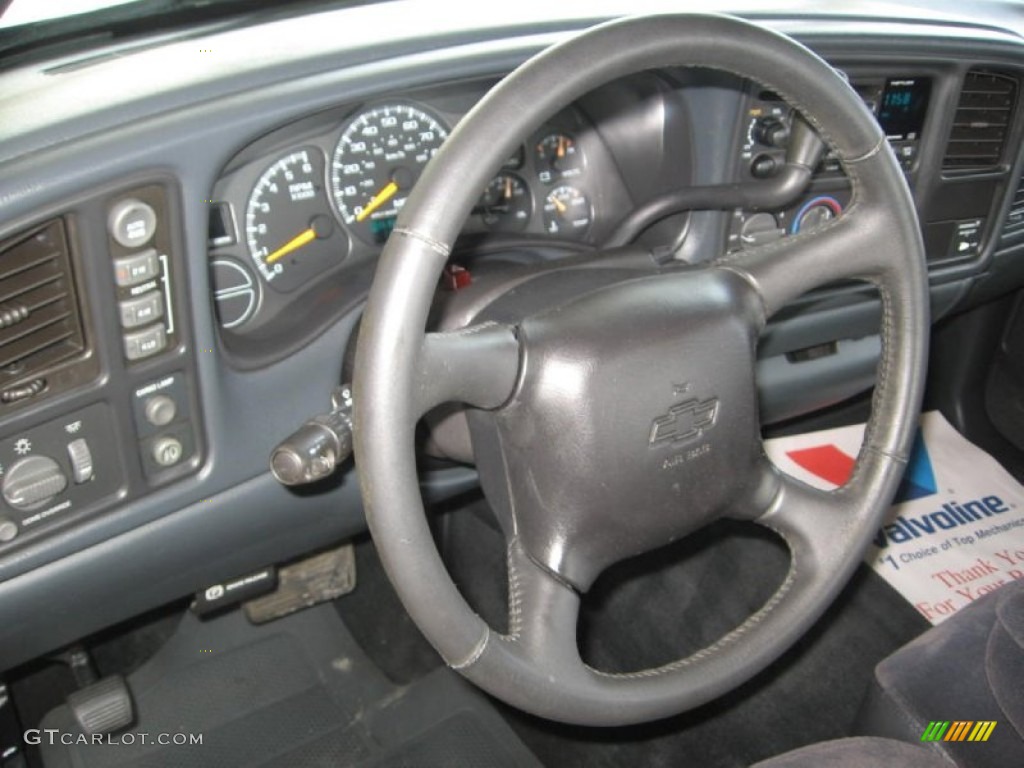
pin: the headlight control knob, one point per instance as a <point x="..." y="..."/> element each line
<point x="771" y="132"/>
<point x="33" y="481"/>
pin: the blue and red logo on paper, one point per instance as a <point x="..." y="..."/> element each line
<point x="831" y="463"/>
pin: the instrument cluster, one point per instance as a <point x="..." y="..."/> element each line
<point x="316" y="198"/>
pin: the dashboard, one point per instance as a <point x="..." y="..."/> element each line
<point x="184" y="257"/>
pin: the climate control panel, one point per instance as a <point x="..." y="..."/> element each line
<point x="49" y="472"/>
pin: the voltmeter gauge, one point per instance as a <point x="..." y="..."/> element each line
<point x="558" y="157"/>
<point x="289" y="228"/>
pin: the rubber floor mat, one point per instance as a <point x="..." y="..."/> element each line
<point x="297" y="692"/>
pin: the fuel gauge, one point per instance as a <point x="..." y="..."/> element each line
<point x="506" y="204"/>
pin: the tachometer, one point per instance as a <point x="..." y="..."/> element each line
<point x="378" y="158"/>
<point x="289" y="228"/>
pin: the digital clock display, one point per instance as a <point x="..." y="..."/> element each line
<point x="903" y="106"/>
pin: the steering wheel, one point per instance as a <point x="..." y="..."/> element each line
<point x="627" y="417"/>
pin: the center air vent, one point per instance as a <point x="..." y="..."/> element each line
<point x="982" y="121"/>
<point x="39" y="317"/>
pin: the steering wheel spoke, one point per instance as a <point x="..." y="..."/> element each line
<point x="542" y="616"/>
<point x="857" y="246"/>
<point x="476" y="365"/>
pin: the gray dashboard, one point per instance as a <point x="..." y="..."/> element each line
<point x="186" y="133"/>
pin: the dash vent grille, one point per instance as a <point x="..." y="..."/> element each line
<point x="1013" y="228"/>
<point x="982" y="122"/>
<point x="39" y="315"/>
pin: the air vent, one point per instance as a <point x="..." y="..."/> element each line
<point x="1013" y="228"/>
<point x="39" y="319"/>
<point x="982" y="121"/>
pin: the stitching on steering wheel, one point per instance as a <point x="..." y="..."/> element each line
<point x="436" y="246"/>
<point x="870" y="153"/>
<point x="884" y="364"/>
<point x="476" y="653"/>
<point x="515" y="597"/>
<point x="727" y="639"/>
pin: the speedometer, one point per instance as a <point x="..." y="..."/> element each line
<point x="378" y="158"/>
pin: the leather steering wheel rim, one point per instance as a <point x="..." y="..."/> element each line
<point x="401" y="372"/>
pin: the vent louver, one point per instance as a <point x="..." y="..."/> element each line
<point x="39" y="319"/>
<point x="1013" y="228"/>
<point x="983" y="117"/>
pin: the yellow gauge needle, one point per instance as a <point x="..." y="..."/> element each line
<point x="378" y="200"/>
<point x="301" y="239"/>
<point x="562" y="207"/>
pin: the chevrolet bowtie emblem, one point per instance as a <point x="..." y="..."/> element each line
<point x="685" y="421"/>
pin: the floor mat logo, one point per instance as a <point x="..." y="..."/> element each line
<point x="832" y="464"/>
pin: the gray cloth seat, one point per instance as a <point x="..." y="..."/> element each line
<point x="970" y="668"/>
<point x="858" y="752"/>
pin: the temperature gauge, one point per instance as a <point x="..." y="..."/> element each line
<point x="567" y="211"/>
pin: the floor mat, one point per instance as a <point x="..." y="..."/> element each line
<point x="294" y="693"/>
<point x="956" y="531"/>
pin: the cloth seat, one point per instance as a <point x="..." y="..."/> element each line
<point x="857" y="752"/>
<point x="969" y="668"/>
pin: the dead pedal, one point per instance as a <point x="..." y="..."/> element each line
<point x="306" y="583"/>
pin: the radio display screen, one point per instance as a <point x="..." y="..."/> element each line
<point x="902" y="108"/>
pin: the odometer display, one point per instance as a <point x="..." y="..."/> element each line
<point x="376" y="162"/>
